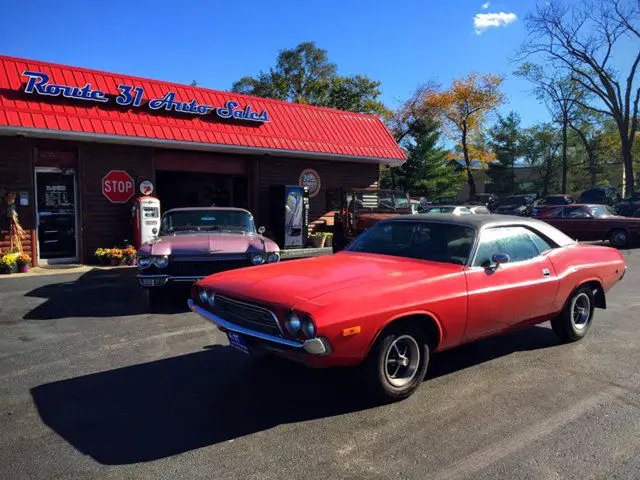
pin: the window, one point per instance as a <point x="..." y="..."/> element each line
<point x="555" y="213"/>
<point x="433" y="241"/>
<point x="518" y="242"/>
<point x="576" y="212"/>
<point x="600" y="211"/>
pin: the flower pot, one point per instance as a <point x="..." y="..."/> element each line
<point x="8" y="270"/>
<point x="115" y="262"/>
<point x="23" y="268"/>
<point x="133" y="262"/>
<point x="329" y="242"/>
<point x="318" y="242"/>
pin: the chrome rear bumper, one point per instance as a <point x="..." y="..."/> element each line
<point x="313" y="346"/>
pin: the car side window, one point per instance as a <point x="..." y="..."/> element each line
<point x="517" y="242"/>
<point x="575" y="212"/>
<point x="541" y="244"/>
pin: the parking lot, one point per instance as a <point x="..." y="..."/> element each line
<point x="92" y="385"/>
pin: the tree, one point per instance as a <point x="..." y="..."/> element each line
<point x="582" y="41"/>
<point x="464" y="109"/>
<point x="305" y="75"/>
<point x="541" y="146"/>
<point x="562" y="96"/>
<point x="427" y="171"/>
<point x="504" y="141"/>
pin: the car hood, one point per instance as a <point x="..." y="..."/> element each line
<point x="292" y="283"/>
<point x="207" y="243"/>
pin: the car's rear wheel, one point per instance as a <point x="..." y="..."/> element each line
<point x="575" y="320"/>
<point x="398" y="362"/>
<point x="619" y="238"/>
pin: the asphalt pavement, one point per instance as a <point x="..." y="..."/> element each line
<point x="93" y="385"/>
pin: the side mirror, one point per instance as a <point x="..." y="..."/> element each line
<point x="500" y="258"/>
<point x="261" y="230"/>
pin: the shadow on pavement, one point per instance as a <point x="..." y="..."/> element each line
<point x="98" y="293"/>
<point x="155" y="410"/>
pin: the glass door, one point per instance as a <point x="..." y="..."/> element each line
<point x="56" y="213"/>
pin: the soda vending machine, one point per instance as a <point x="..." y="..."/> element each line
<point x="146" y="219"/>
<point x="289" y="215"/>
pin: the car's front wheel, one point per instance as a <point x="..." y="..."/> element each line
<point x="574" y="321"/>
<point x="398" y="362"/>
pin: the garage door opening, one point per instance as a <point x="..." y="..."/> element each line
<point x="189" y="189"/>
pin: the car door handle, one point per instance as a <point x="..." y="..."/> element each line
<point x="545" y="272"/>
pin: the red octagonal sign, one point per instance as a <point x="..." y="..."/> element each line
<point x="118" y="186"/>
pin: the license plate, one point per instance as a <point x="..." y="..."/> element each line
<point x="237" y="342"/>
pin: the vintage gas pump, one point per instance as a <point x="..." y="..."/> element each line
<point x="146" y="219"/>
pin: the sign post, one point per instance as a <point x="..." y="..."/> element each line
<point x="118" y="186"/>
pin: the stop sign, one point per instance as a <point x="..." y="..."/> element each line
<point x="118" y="186"/>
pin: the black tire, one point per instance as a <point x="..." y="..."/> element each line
<point x="572" y="325"/>
<point x="619" y="238"/>
<point x="408" y="340"/>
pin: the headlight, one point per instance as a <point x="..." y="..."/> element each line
<point x="307" y="327"/>
<point x="161" y="262"/>
<point x="257" y="259"/>
<point x="292" y="323"/>
<point x="273" y="257"/>
<point x="211" y="298"/>
<point x="202" y="296"/>
<point x="144" y="262"/>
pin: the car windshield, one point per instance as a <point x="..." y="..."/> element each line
<point x="433" y="241"/>
<point x="380" y="200"/>
<point x="440" y="210"/>
<point x="601" y="211"/>
<point x="213" y="220"/>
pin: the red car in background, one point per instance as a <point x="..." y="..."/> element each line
<point x="549" y="202"/>
<point x="408" y="287"/>
<point x="594" y="223"/>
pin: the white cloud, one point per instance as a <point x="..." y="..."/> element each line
<point x="485" y="6"/>
<point x="484" y="21"/>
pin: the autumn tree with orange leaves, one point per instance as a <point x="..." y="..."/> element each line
<point x="464" y="110"/>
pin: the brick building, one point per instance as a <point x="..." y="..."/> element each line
<point x="64" y="129"/>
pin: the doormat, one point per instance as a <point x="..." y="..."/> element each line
<point x="61" y="266"/>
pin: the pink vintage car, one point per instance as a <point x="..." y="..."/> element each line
<point x="196" y="242"/>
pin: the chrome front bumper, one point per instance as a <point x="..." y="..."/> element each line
<point x="313" y="346"/>
<point x="150" y="281"/>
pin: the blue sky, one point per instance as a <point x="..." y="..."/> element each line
<point x="216" y="42"/>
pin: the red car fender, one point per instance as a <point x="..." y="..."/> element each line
<point x="400" y="316"/>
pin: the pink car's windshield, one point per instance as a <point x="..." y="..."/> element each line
<point x="207" y="221"/>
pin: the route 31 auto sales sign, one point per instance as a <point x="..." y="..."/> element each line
<point x="118" y="186"/>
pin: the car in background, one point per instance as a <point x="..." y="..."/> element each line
<point x="449" y="209"/>
<point x="195" y="242"/>
<point x="629" y="206"/>
<point x="408" y="287"/>
<point x="550" y="201"/>
<point x="594" y="223"/>
<point x="479" y="209"/>
<point x="520" y="205"/>
<point x="600" y="196"/>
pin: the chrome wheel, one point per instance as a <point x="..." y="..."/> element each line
<point x="581" y="311"/>
<point x="619" y="238"/>
<point x="402" y="360"/>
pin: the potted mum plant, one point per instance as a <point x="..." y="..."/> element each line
<point x="102" y="256"/>
<point x="130" y="255"/>
<point x="116" y="255"/>
<point x="23" y="262"/>
<point x="8" y="263"/>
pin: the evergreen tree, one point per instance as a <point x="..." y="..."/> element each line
<point x="427" y="171"/>
<point x="505" y="141"/>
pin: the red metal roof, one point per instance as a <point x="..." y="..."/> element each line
<point x="292" y="129"/>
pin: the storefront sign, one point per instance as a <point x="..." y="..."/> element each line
<point x="309" y="178"/>
<point x="118" y="186"/>
<point x="146" y="188"/>
<point x="39" y="83"/>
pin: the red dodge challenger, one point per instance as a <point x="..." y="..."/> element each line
<point x="408" y="287"/>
